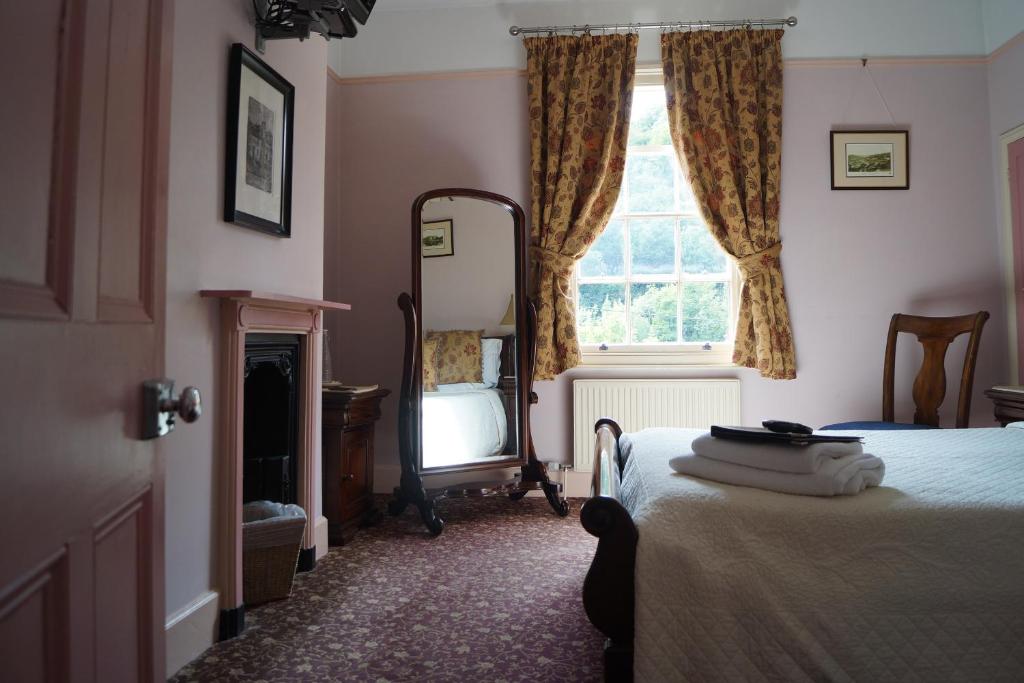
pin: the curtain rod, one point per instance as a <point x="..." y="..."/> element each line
<point x="709" y="23"/>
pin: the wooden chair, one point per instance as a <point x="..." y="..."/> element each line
<point x="935" y="335"/>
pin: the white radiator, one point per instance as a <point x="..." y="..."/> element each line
<point x="636" y="404"/>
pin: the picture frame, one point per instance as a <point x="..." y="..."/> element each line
<point x="258" y="159"/>
<point x="437" y="238"/>
<point x="870" y="159"/>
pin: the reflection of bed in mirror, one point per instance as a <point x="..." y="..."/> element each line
<point x="463" y="426"/>
<point x="470" y="422"/>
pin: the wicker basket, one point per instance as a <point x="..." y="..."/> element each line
<point x="271" y="538"/>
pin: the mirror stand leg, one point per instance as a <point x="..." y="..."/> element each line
<point x="535" y="470"/>
<point x="434" y="524"/>
<point x="560" y="506"/>
<point x="418" y="497"/>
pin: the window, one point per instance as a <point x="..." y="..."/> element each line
<point x="655" y="287"/>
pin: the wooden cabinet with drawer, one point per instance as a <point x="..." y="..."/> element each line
<point x="348" y="426"/>
<point x="1008" y="402"/>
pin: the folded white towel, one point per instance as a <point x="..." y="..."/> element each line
<point x="845" y="476"/>
<point x="778" y="457"/>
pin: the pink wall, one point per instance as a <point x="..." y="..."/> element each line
<point x="205" y="252"/>
<point x="336" y="143"/>
<point x="851" y="258"/>
<point x="1006" y="112"/>
<point x="399" y="140"/>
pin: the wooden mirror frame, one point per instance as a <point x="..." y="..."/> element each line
<point x="410" y="420"/>
<point x="521" y="359"/>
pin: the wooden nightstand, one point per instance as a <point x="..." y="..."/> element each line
<point x="1009" y="403"/>
<point x="348" y="421"/>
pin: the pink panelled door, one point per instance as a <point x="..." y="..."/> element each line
<point x="83" y="188"/>
<point x="1016" y="158"/>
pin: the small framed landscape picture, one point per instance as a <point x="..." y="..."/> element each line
<point x="870" y="160"/>
<point x="436" y="239"/>
<point x="258" y="161"/>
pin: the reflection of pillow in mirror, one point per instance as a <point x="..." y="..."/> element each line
<point x="430" y="347"/>
<point x="458" y="356"/>
<point x="492" y="361"/>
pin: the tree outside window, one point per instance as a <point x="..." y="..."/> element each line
<point x="655" y="278"/>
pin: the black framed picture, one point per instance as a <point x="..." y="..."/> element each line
<point x="437" y="239"/>
<point x="258" y="162"/>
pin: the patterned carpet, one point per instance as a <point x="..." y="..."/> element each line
<point x="496" y="597"/>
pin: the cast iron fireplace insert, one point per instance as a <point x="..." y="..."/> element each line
<point x="270" y="417"/>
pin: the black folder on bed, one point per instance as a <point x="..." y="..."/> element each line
<point x="762" y="435"/>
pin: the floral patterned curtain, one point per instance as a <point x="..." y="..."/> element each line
<point x="580" y="91"/>
<point x="724" y="91"/>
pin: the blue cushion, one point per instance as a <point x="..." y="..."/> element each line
<point x="875" y="426"/>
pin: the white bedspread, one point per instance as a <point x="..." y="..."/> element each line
<point x="459" y="427"/>
<point x="920" y="579"/>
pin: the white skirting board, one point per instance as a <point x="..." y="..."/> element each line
<point x="577" y="484"/>
<point x="190" y="631"/>
<point x="320" y="534"/>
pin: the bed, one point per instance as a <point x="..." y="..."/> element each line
<point x="463" y="426"/>
<point x="919" y="579"/>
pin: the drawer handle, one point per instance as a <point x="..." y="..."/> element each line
<point x="348" y="477"/>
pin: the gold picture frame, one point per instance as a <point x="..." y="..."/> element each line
<point x="870" y="159"/>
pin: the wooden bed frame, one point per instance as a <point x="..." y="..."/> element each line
<point x="609" y="587"/>
<point x="608" y="590"/>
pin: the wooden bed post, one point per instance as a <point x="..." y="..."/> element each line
<point x="608" y="590"/>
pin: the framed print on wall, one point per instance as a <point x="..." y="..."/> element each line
<point x="870" y="160"/>
<point x="437" y="239"/>
<point x="258" y="163"/>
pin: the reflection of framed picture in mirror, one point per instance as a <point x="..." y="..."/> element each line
<point x="436" y="239"/>
<point x="870" y="160"/>
<point x="258" y="163"/>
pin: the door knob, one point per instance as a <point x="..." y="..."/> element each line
<point x="160" y="406"/>
<point x="189" y="406"/>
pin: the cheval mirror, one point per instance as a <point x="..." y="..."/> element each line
<point x="469" y="354"/>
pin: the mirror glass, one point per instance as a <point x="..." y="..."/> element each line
<point x="470" y="385"/>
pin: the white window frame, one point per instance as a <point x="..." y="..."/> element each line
<point x="663" y="355"/>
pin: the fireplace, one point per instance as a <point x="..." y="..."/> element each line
<point x="280" y="331"/>
<point x="270" y="410"/>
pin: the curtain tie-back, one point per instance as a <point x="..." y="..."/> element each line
<point x="759" y="262"/>
<point x="560" y="264"/>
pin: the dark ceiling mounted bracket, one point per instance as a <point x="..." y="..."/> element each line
<point x="284" y="19"/>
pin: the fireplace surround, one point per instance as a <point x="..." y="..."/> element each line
<point x="244" y="313"/>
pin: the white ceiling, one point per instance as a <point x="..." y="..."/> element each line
<point x="416" y="36"/>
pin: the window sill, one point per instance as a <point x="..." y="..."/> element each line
<point x="677" y="360"/>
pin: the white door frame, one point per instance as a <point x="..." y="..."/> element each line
<point x="1005" y="140"/>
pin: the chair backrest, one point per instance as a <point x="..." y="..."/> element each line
<point x="935" y="335"/>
